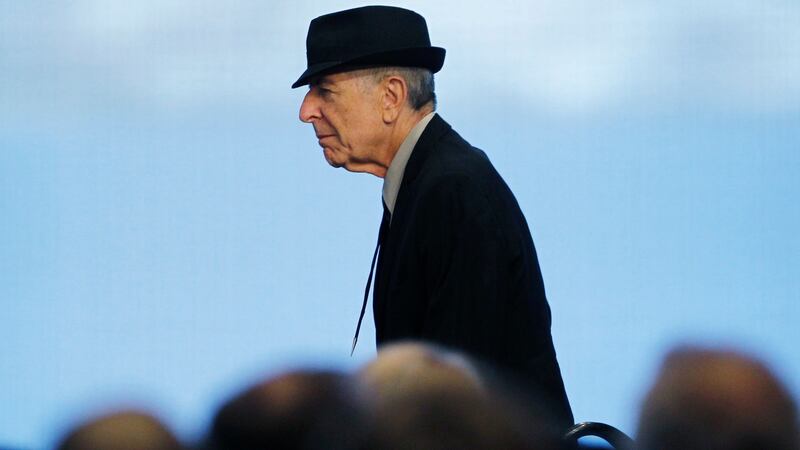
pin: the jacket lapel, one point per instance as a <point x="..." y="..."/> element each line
<point x="405" y="202"/>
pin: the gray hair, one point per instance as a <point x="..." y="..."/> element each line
<point x="420" y="83"/>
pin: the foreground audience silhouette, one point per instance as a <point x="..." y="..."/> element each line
<point x="124" y="430"/>
<point x="298" y="410"/>
<point x="430" y="398"/>
<point x="717" y="400"/>
<point x="410" y="367"/>
<point x="419" y="396"/>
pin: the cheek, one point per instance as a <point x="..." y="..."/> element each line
<point x="337" y="122"/>
<point x="371" y="130"/>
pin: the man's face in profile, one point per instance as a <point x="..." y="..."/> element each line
<point x="344" y="109"/>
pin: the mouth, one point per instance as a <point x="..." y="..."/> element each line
<point x="321" y="138"/>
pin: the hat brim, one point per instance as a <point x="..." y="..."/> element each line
<point x="431" y="58"/>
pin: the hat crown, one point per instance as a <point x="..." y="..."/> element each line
<point x="347" y="34"/>
<point x="366" y="37"/>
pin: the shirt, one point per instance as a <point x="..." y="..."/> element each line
<point x="394" y="176"/>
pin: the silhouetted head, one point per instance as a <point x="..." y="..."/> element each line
<point x="124" y="430"/>
<point x="296" y="410"/>
<point x="405" y="368"/>
<point x="717" y="400"/>
<point x="431" y="398"/>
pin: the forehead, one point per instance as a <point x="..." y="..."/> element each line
<point x="349" y="78"/>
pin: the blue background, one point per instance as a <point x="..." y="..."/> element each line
<point x="169" y="230"/>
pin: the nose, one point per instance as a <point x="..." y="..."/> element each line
<point x="309" y="109"/>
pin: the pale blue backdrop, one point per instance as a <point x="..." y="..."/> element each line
<point x="170" y="231"/>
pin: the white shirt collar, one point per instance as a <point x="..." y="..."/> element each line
<point x="394" y="175"/>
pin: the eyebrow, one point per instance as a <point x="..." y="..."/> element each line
<point x="326" y="79"/>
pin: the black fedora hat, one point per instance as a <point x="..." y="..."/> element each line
<point x="368" y="36"/>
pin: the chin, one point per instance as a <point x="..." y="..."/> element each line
<point x="329" y="158"/>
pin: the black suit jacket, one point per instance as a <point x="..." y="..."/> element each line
<point x="458" y="266"/>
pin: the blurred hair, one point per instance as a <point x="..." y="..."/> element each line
<point x="447" y="420"/>
<point x="717" y="400"/>
<point x="296" y="410"/>
<point x="404" y="368"/>
<point x="123" y="430"/>
<point x="428" y="397"/>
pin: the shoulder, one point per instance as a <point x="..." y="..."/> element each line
<point x="441" y="151"/>
<point x="459" y="181"/>
<point x="448" y="175"/>
<point x="454" y="164"/>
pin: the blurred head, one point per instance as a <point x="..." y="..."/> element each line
<point x="125" y="430"/>
<point x="449" y="420"/>
<point x="714" y="400"/>
<point x="402" y="369"/>
<point x="427" y="397"/>
<point x="296" y="410"/>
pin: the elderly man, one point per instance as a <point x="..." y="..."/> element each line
<point x="457" y="264"/>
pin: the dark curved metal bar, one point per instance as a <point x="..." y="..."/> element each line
<point x="616" y="438"/>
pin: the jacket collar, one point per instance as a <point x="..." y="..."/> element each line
<point x="397" y="168"/>
<point x="436" y="128"/>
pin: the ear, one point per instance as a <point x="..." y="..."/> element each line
<point x="395" y="94"/>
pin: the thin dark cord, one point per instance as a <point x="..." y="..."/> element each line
<point x="366" y="295"/>
<point x="381" y="233"/>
